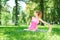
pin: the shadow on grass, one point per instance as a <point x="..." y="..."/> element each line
<point x="14" y="33"/>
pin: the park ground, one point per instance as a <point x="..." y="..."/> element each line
<point x="17" y="33"/>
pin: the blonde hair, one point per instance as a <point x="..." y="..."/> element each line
<point x="39" y="13"/>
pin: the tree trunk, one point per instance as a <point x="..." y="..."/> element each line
<point x="0" y="12"/>
<point x="16" y="13"/>
<point x="42" y="8"/>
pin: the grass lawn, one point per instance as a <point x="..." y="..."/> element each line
<point x="17" y="33"/>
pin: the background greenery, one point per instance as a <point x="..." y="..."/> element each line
<point x="49" y="8"/>
<point x="12" y="22"/>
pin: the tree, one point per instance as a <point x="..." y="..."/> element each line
<point x="0" y="11"/>
<point x="42" y="7"/>
<point x="16" y="13"/>
<point x="57" y="12"/>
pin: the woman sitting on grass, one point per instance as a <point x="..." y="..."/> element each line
<point x="35" y="20"/>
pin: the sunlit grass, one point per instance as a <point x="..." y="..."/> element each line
<point x="17" y="33"/>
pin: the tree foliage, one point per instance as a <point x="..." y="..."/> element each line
<point x="49" y="8"/>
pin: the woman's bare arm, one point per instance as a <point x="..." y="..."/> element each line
<point x="45" y="23"/>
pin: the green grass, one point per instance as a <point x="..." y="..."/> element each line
<point x="17" y="33"/>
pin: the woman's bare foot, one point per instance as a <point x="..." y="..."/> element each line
<point x="50" y="28"/>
